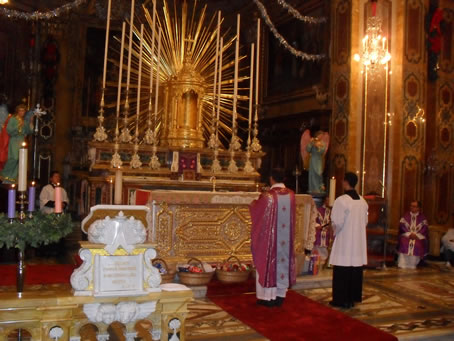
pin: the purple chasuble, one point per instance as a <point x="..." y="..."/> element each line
<point x="272" y="234"/>
<point x="323" y="231"/>
<point x="417" y="224"/>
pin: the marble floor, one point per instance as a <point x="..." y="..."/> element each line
<point x="411" y="304"/>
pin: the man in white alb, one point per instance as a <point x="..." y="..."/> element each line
<point x="349" y="251"/>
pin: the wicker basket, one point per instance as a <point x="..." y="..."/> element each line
<point x="167" y="277"/>
<point x="194" y="278"/>
<point x="232" y="276"/>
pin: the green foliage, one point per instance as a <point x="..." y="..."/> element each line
<point x="42" y="229"/>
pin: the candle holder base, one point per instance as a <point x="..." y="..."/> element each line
<point x="20" y="273"/>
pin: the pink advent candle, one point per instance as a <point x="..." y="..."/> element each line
<point x="58" y="206"/>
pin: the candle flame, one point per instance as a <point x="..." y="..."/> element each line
<point x="58" y="184"/>
<point x="33" y="183"/>
<point x="13" y="186"/>
<point x="24" y="144"/>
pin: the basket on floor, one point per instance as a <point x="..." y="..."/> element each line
<point x="195" y="278"/>
<point x="233" y="276"/>
<point x="170" y="273"/>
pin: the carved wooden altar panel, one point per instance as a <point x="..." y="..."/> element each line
<point x="212" y="226"/>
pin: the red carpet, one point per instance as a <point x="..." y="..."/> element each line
<point x="37" y="274"/>
<point x="299" y="318"/>
<point x="217" y="288"/>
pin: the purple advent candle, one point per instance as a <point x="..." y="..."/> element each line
<point x="31" y="197"/>
<point x="12" y="202"/>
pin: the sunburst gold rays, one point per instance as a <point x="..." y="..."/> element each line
<point x="188" y="36"/>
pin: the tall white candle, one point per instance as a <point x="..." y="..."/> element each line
<point x="251" y="88"/>
<point x="110" y="191"/>
<point x="221" y="48"/>
<point x="131" y="33"/>
<point x="216" y="61"/>
<point x="106" y="47"/>
<point x="118" y="186"/>
<point x="332" y="191"/>
<point x="153" y="28"/>
<point x="157" y="77"/>
<point x="120" y="67"/>
<point x="257" y="71"/>
<point x="139" y="80"/>
<point x="22" y="179"/>
<point x="235" y="84"/>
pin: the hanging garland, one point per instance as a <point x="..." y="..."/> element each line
<point x="297" y="15"/>
<point x="13" y="14"/>
<point x="281" y="39"/>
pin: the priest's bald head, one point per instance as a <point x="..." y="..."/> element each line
<point x="350" y="181"/>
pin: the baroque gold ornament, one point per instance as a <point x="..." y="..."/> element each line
<point x="179" y="72"/>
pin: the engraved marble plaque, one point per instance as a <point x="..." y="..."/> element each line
<point x="119" y="275"/>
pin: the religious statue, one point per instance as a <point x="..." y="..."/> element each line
<point x="313" y="151"/>
<point x="14" y="129"/>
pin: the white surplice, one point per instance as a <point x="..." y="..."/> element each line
<point x="349" y="220"/>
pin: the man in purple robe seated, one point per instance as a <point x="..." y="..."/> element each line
<point x="273" y="231"/>
<point x="413" y="237"/>
<point x="323" y="230"/>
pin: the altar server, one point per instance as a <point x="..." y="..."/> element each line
<point x="273" y="226"/>
<point x="413" y="237"/>
<point x="349" y="251"/>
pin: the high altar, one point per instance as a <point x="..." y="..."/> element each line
<point x="193" y="139"/>
<point x="210" y="226"/>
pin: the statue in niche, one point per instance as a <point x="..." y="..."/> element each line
<point x="313" y="152"/>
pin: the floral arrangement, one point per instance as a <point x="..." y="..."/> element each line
<point x="41" y="229"/>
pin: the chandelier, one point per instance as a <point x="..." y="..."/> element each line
<point x="374" y="46"/>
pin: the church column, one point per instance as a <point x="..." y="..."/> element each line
<point x="343" y="132"/>
<point x="439" y="157"/>
<point x="65" y="90"/>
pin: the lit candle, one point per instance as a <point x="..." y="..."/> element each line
<point x="111" y="191"/>
<point x="106" y="47"/>
<point x="157" y="78"/>
<point x="332" y="191"/>
<point x="31" y="197"/>
<point x="22" y="181"/>
<point x="235" y="84"/>
<point x="58" y="205"/>
<point x="118" y="186"/>
<point x="12" y="202"/>
<point x="251" y="88"/>
<point x="131" y="29"/>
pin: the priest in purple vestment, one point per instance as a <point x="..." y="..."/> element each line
<point x="323" y="230"/>
<point x="272" y="240"/>
<point x="413" y="237"/>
